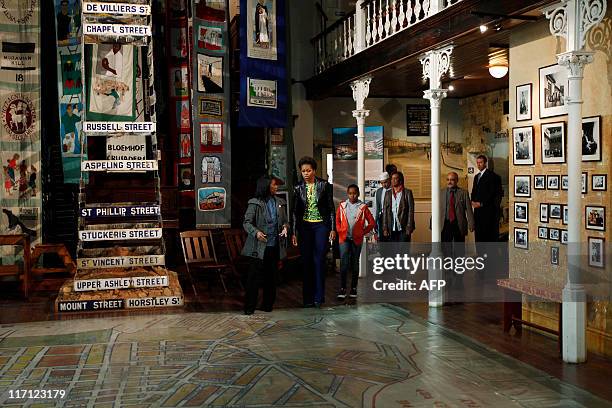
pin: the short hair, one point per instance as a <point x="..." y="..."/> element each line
<point x="454" y="173"/>
<point x="400" y="176"/>
<point x="307" y="160"/>
<point x="390" y="169"/>
<point x="482" y="157"/>
<point x="353" y="186"/>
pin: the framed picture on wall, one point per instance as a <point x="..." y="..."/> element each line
<point x="523" y="146"/>
<point x="543" y="233"/>
<point x="543" y="212"/>
<point x="539" y="182"/>
<point x="522" y="186"/>
<point x="523" y="102"/>
<point x="591" y="139"/>
<point x="521" y="212"/>
<point x="552" y="182"/>
<point x="553" y="142"/>
<point x="565" y="212"/>
<point x="554" y="211"/>
<point x="596" y="252"/>
<point x="554" y="234"/>
<point x="599" y="182"/>
<point x="564" y="237"/>
<point x="595" y="218"/>
<point x="585" y="182"/>
<point x="521" y="238"/>
<point x="564" y="182"/>
<point x="554" y="255"/>
<point x="553" y="91"/>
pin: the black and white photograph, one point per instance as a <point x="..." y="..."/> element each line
<point x="585" y="182"/>
<point x="521" y="212"/>
<point x="564" y="237"/>
<point x="599" y="182"/>
<point x="552" y="182"/>
<point x="521" y="238"/>
<point x="554" y="234"/>
<point x="543" y="233"/>
<point x="565" y="212"/>
<point x="553" y="142"/>
<point x="564" y="182"/>
<point x="522" y="186"/>
<point x="595" y="218"/>
<point x="539" y="182"/>
<point x="543" y="212"/>
<point x="553" y="91"/>
<point x="523" y="102"/>
<point x="554" y="211"/>
<point x="523" y="144"/>
<point x="596" y="252"/>
<point x="591" y="139"/>
<point x="554" y="255"/>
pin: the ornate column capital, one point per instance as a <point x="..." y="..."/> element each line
<point x="361" y="115"/>
<point x="435" y="64"/>
<point x="361" y="89"/>
<point x="435" y="96"/>
<point x="572" y="19"/>
<point x="575" y="62"/>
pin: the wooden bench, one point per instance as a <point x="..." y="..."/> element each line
<point x="21" y="240"/>
<point x="513" y="311"/>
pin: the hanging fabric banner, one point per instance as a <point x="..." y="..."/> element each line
<point x="20" y="195"/>
<point x="263" y="71"/>
<point x="210" y="113"/>
<point x="69" y="85"/>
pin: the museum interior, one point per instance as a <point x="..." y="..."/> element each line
<point x="133" y="140"/>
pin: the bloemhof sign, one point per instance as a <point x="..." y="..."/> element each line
<point x="126" y="147"/>
<point x="121" y="211"/>
<point x="115" y="304"/>
<point x="121" y="261"/>
<point x="83" y="285"/>
<point x="118" y="165"/>
<point x="118" y="127"/>
<point x="116" y="8"/>
<point x="121" y="234"/>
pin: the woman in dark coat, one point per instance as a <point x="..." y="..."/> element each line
<point x="266" y="224"/>
<point x="314" y="225"/>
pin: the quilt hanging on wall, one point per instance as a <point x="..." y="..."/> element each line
<point x="20" y="195"/>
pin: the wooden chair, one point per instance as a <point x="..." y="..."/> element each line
<point x="199" y="253"/>
<point x="22" y="240"/>
<point x="68" y="268"/>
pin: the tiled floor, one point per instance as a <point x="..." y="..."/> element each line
<point x="373" y="356"/>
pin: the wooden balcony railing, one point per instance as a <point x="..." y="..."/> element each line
<point x="371" y="22"/>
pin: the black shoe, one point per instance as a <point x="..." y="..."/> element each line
<point x="249" y="312"/>
<point x="353" y="294"/>
<point x="341" y="294"/>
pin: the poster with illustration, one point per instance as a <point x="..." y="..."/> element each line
<point x="211" y="198"/>
<point x="112" y="72"/>
<point x="178" y="40"/>
<point x="185" y="147"/>
<point x="70" y="128"/>
<point x="261" y="26"/>
<point x="185" y="177"/>
<point x="211" y="137"/>
<point x="180" y="81"/>
<point x="182" y="114"/>
<point x="68" y="22"/>
<point x="20" y="176"/>
<point x="262" y="93"/>
<point x="211" y="170"/>
<point x="72" y="83"/>
<point x="210" y="10"/>
<point x="210" y="74"/>
<point x="210" y="37"/>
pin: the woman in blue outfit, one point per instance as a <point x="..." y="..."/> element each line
<point x="314" y="225"/>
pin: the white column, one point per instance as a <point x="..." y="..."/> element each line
<point x="435" y="64"/>
<point x="572" y="19"/>
<point x="360" y="27"/>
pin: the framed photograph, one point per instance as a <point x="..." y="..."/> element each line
<point x="591" y="139"/>
<point x="595" y="218"/>
<point x="522" y="186"/>
<point x="543" y="233"/>
<point x="523" y="102"/>
<point x="553" y="91"/>
<point x="186" y="179"/>
<point x="523" y="146"/>
<point x="210" y="74"/>
<point x="564" y="237"/>
<point x="585" y="182"/>
<point x="554" y="255"/>
<point x="599" y="182"/>
<point x="596" y="252"/>
<point x="554" y="211"/>
<point x="565" y="212"/>
<point x="521" y="212"/>
<point x="544" y="213"/>
<point x="539" y="182"/>
<point x="554" y="234"/>
<point x="564" y="182"/>
<point x="521" y="238"/>
<point x="553" y="142"/>
<point x="261" y="93"/>
<point x="552" y="182"/>
<point x="210" y="107"/>
<point x="211" y="137"/>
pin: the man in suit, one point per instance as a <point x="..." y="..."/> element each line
<point x="486" y="199"/>
<point x="379" y="197"/>
<point x="456" y="214"/>
<point x="398" y="211"/>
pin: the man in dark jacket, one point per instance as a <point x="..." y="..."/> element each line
<point x="379" y="198"/>
<point x="398" y="213"/>
<point x="486" y="199"/>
